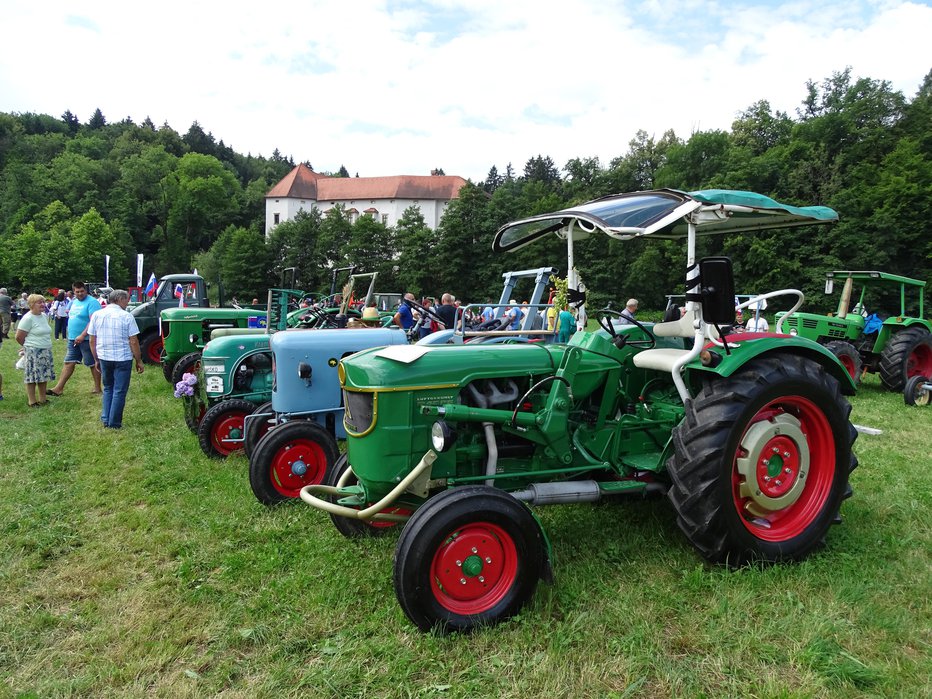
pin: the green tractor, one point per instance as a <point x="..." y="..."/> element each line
<point x="868" y="338"/>
<point x="749" y="437"/>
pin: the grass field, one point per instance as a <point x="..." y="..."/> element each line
<point x="131" y="564"/>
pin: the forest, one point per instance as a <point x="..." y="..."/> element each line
<point x="72" y="192"/>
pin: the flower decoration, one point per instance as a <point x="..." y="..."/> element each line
<point x="185" y="387"/>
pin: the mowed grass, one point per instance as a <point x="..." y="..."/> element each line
<point x="134" y="565"/>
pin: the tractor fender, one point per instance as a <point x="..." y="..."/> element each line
<point x="546" y="572"/>
<point x="759" y="344"/>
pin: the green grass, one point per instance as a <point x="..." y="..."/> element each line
<point x="131" y="564"/>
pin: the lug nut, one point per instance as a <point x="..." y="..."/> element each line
<point x="459" y="563"/>
<point x="475" y="550"/>
<point x="776" y="451"/>
<point x="787" y="470"/>
<point x="462" y="581"/>
<point x="779" y="482"/>
<point x="488" y="559"/>
<point x="786" y="455"/>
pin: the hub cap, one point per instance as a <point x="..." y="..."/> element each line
<point x="474" y="568"/>
<point x="784" y="468"/>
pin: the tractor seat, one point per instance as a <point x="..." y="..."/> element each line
<point x="664" y="358"/>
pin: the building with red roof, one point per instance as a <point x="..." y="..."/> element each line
<point x="383" y="198"/>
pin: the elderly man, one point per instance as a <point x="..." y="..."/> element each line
<point x="404" y="318"/>
<point x="114" y="345"/>
<point x="447" y="310"/>
<point x="6" y="309"/>
<point x="626" y="317"/>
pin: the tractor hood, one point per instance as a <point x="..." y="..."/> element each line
<point x="198" y="313"/>
<point x="406" y="367"/>
<point x="663" y="213"/>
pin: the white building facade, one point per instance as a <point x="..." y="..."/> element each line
<point x="383" y="198"/>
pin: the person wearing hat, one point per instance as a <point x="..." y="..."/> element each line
<point x="369" y="319"/>
<point x="626" y="317"/>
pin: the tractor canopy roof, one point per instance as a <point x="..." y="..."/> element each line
<point x="663" y="213"/>
<point x="876" y="277"/>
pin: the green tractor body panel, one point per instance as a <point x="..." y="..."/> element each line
<point x="187" y="330"/>
<point x="237" y="365"/>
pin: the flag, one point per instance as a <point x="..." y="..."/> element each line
<point x="179" y="291"/>
<point x="139" y="269"/>
<point x="106" y="270"/>
<point x="150" y="286"/>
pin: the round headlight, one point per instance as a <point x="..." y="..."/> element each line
<point x="442" y="436"/>
<point x="794" y="332"/>
<point x="192" y="338"/>
<point x="304" y="370"/>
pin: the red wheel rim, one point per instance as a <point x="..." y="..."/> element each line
<point x="848" y="364"/>
<point x="474" y="568"/>
<point x="296" y="464"/>
<point x="155" y="351"/>
<point x="919" y="362"/>
<point x="228" y="427"/>
<point x="796" y="463"/>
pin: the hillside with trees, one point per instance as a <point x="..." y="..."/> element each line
<point x="71" y="192"/>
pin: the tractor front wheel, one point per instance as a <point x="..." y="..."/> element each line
<point x="469" y="557"/>
<point x="221" y="430"/>
<point x="849" y="358"/>
<point x="915" y="392"/>
<point x="907" y="354"/>
<point x="257" y="428"/>
<point x="357" y="528"/>
<point x="151" y="348"/>
<point x="761" y="462"/>
<point x="293" y="455"/>
<point x="188" y="364"/>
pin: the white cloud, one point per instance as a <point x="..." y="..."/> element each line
<point x="386" y="87"/>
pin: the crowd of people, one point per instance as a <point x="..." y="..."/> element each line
<point x="102" y="335"/>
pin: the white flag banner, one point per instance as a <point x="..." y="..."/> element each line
<point x="139" y="270"/>
<point x="106" y="270"/>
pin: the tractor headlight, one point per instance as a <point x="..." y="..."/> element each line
<point x="794" y="332"/>
<point x="442" y="436"/>
<point x="304" y="371"/>
<point x="192" y="338"/>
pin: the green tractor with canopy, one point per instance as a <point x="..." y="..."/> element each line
<point x="748" y="436"/>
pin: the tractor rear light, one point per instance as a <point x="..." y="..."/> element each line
<point x="442" y="436"/>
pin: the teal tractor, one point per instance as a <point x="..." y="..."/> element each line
<point x="867" y="336"/>
<point x="748" y="437"/>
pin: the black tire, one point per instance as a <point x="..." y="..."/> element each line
<point x="257" y="429"/>
<point x="782" y="403"/>
<point x="223" y="421"/>
<point x="273" y="475"/>
<point x="357" y="528"/>
<point x="151" y="347"/>
<point x="915" y="392"/>
<point x="908" y="353"/>
<point x="849" y="358"/>
<point x="476" y="534"/>
<point x="188" y="364"/>
<point x="167" y="371"/>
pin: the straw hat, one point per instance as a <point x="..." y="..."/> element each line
<point x="370" y="315"/>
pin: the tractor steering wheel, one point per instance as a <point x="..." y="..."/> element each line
<point x="425" y="312"/>
<point x="603" y="318"/>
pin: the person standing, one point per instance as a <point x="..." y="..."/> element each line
<point x="59" y="313"/>
<point x="757" y="324"/>
<point x="6" y="309"/>
<point x="403" y="318"/>
<point x="35" y="335"/>
<point x="83" y="306"/>
<point x="626" y="317"/>
<point x="447" y="311"/>
<point x="114" y="341"/>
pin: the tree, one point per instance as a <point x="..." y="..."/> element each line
<point x="243" y="260"/>
<point x="97" y="120"/>
<point x="413" y="240"/>
<point x="71" y="121"/>
<point x="294" y="243"/>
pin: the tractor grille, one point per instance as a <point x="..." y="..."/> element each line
<point x="810" y="323"/>
<point x="359" y="411"/>
<point x="837" y="330"/>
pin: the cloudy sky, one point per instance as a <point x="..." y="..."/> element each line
<point x="403" y="86"/>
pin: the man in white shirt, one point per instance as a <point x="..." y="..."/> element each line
<point x="114" y="345"/>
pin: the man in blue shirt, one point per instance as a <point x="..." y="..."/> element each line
<point x="83" y="306"/>
<point x="404" y="319"/>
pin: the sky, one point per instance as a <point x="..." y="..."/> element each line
<point x="400" y="87"/>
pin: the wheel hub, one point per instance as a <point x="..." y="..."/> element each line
<point x="774" y="465"/>
<point x="299" y="468"/>
<point x="469" y="565"/>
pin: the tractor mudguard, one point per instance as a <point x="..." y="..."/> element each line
<point x="743" y="349"/>
<point x="546" y="573"/>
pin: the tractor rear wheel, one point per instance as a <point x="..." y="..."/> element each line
<point x="221" y="430"/>
<point x="257" y="428"/>
<point x="761" y="462"/>
<point x="188" y="364"/>
<point x="357" y="528"/>
<point x="915" y="392"/>
<point x="849" y="358"/>
<point x="151" y="348"/>
<point x="469" y="557"/>
<point x="908" y="353"/>
<point x="293" y="455"/>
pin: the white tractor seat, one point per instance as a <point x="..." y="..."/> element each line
<point x="664" y="358"/>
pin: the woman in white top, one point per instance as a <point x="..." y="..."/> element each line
<point x="35" y="335"/>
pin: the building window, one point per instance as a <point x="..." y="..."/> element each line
<point x="276" y="219"/>
<point x="384" y="219"/>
